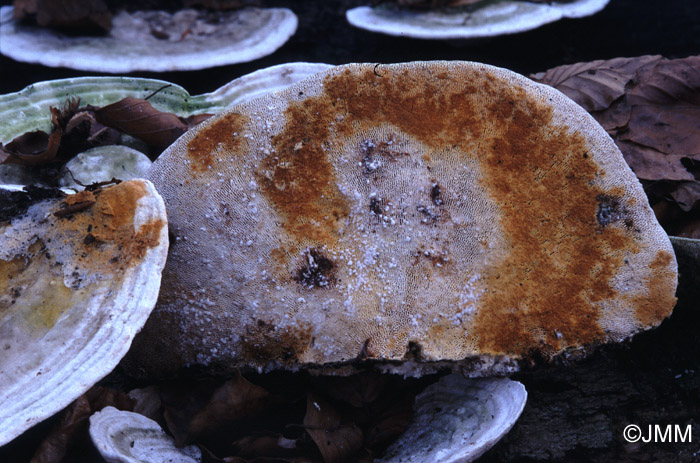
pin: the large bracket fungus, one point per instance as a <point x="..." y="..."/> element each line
<point x="466" y="19"/>
<point x="155" y="41"/>
<point x="79" y="275"/>
<point x="429" y="211"/>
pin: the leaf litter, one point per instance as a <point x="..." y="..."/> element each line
<point x="650" y="106"/>
<point x="279" y="417"/>
<point x="76" y="128"/>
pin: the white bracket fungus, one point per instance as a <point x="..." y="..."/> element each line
<point x="79" y="275"/>
<point x="457" y="419"/>
<point x="487" y="19"/>
<point x="242" y="35"/>
<point x="127" y="437"/>
<point x="429" y="211"/>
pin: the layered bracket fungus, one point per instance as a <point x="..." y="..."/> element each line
<point x="155" y="41"/>
<point x="127" y="437"/>
<point x="458" y="419"/>
<point x="466" y="19"/>
<point x="411" y="218"/>
<point x="79" y="275"/>
<point x="434" y="211"/>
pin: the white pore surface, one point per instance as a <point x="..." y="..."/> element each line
<point x="243" y="35"/>
<point x="406" y="268"/>
<point x="127" y="437"/>
<point x="457" y="419"/>
<point x="495" y="18"/>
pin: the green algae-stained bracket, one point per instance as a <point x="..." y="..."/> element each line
<point x="28" y="109"/>
<point x="486" y="19"/>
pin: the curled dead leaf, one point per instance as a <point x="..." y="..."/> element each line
<point x="337" y="442"/>
<point x="193" y="409"/>
<point x="138" y="118"/>
<point x="650" y="106"/>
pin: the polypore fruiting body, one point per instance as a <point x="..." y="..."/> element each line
<point x="156" y="41"/>
<point x="79" y="275"/>
<point x="458" y="419"/>
<point x="127" y="437"/>
<point x="467" y="19"/>
<point x="421" y="211"/>
<point x="104" y="163"/>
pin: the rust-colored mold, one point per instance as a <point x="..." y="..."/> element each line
<point x="224" y="134"/>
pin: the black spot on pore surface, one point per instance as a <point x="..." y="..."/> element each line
<point x="435" y="195"/>
<point x="609" y="210"/>
<point x="15" y="203"/>
<point x="375" y="206"/>
<point x="316" y="270"/>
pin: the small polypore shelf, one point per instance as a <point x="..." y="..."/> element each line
<point x="466" y="19"/>
<point x="79" y="275"/>
<point x="429" y="211"/>
<point x="155" y="41"/>
<point x="127" y="437"/>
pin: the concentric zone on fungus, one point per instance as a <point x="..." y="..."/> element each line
<point x="569" y="215"/>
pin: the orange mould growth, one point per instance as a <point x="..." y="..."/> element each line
<point x="429" y="211"/>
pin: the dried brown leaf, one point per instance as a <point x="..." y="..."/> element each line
<point x="357" y="390"/>
<point x="33" y="148"/>
<point x="182" y="400"/>
<point x="671" y="129"/>
<point x="651" y="107"/>
<point x="667" y="82"/>
<point x="147" y="402"/>
<point x="687" y="195"/>
<point x="195" y="119"/>
<point x="54" y="448"/>
<point x="597" y="84"/>
<point x="691" y="229"/>
<point x="236" y="399"/>
<point x="138" y="118"/>
<point x="650" y="164"/>
<point x="192" y="409"/>
<point x="336" y="441"/>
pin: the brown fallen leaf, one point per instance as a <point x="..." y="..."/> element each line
<point x="337" y="442"/>
<point x="236" y="399"/>
<point x="358" y="390"/>
<point x="32" y="148"/>
<point x="193" y="409"/>
<point x="138" y="118"/>
<point x="650" y="106"/>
